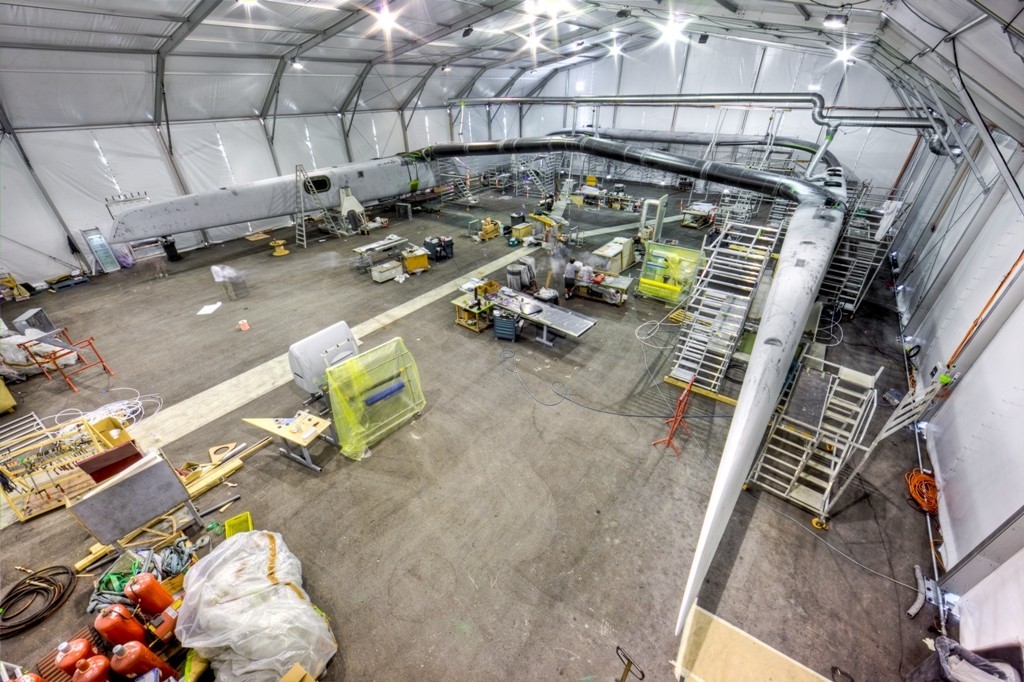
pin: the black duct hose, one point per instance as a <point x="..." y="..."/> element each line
<point x="745" y="178"/>
<point x="34" y="598"/>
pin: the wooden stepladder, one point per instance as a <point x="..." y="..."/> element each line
<point x="676" y="421"/>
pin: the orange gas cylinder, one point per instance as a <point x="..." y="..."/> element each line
<point x="146" y="591"/>
<point x="93" y="669"/>
<point x="29" y="677"/>
<point x="70" y="653"/>
<point x="135" y="658"/>
<point x="117" y="625"/>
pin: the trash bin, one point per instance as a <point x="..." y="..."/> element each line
<point x="170" y="249"/>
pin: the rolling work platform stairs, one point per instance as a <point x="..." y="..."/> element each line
<point x="814" y="447"/>
<point x="719" y="304"/>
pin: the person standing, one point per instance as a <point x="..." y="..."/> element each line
<point x="570" y="277"/>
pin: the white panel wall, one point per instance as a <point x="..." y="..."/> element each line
<point x="313" y="141"/>
<point x="427" y="128"/>
<point x="974" y="441"/>
<point x="966" y="199"/>
<point x="992" y="613"/>
<point x="199" y="88"/>
<point x="33" y="245"/>
<point x="540" y="120"/>
<point x="222" y="154"/>
<point x="638" y="78"/>
<point x="376" y="135"/>
<point x="49" y="88"/>
<point x="387" y="85"/>
<point x="975" y="279"/>
<point x="492" y="82"/>
<point x="317" y="87"/>
<point x="720" y="66"/>
<point x="505" y="122"/>
<point x="82" y="168"/>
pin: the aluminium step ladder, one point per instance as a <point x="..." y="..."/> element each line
<point x="720" y="301"/>
<point x="303" y="187"/>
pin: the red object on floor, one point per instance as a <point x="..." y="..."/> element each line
<point x="118" y="626"/>
<point x="676" y="422"/>
<point x="48" y="361"/>
<point x="146" y="591"/>
<point x="104" y="465"/>
<point x="71" y="652"/>
<point x="135" y="658"/>
<point x="94" y="669"/>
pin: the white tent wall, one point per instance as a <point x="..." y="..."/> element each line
<point x="975" y="278"/>
<point x="45" y="88"/>
<point x="221" y="154"/>
<point x="375" y="134"/>
<point x="992" y="613"/>
<point x="444" y="85"/>
<point x="201" y="89"/>
<point x="974" y="443"/>
<point x="505" y="122"/>
<point x="492" y="82"/>
<point x="313" y="141"/>
<point x="427" y="127"/>
<point x="82" y="168"/>
<point x="33" y="245"/>
<point x="542" y="119"/>
<point x="318" y="87"/>
<point x="387" y="86"/>
<point x="917" y="277"/>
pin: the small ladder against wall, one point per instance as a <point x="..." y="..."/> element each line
<point x="718" y="307"/>
<point x="304" y="186"/>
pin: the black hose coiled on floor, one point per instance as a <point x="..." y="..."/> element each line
<point x="32" y="599"/>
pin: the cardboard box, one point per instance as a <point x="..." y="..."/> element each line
<point x="297" y="674"/>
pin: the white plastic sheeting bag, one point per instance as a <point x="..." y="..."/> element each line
<point x="245" y="610"/>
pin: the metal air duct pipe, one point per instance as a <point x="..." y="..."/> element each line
<point x="813" y="99"/>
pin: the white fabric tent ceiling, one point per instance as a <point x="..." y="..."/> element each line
<point x="95" y="62"/>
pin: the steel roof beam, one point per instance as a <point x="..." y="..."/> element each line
<point x="185" y="28"/>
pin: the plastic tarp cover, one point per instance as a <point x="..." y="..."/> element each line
<point x="224" y="154"/>
<point x="373" y="394"/>
<point x="376" y="135"/>
<point x="81" y="169"/>
<point x="444" y="85"/>
<point x="388" y="85"/>
<point x="313" y="141"/>
<point x="317" y="87"/>
<point x="492" y="81"/>
<point x="427" y="127"/>
<point x="199" y="88"/>
<point x="245" y="610"/>
<point x="43" y="88"/>
<point x="33" y="246"/>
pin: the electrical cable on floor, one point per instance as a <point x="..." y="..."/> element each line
<point x="923" y="491"/>
<point x="561" y="390"/>
<point x="830" y="326"/>
<point x="128" y="411"/>
<point x="34" y="598"/>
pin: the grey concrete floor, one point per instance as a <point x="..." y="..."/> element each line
<point x="494" y="537"/>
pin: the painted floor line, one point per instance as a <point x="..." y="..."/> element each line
<point x="180" y="419"/>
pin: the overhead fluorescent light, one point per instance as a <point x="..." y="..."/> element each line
<point x="467" y="32"/>
<point x="833" y="20"/>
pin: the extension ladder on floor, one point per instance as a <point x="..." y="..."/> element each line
<point x="718" y="306"/>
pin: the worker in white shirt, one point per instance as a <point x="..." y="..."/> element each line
<point x="570" y="277"/>
<point x="586" y="275"/>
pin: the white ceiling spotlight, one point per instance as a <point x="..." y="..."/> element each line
<point x="297" y="65"/>
<point x="533" y="41"/>
<point x="845" y="55"/>
<point x="247" y="2"/>
<point x="446" y="68"/>
<point x="835" y="21"/>
<point x="385" y="19"/>
<point x="672" y="31"/>
<point x="615" y="50"/>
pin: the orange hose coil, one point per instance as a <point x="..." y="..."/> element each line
<point x="923" y="490"/>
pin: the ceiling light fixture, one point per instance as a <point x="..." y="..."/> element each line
<point x="468" y="32"/>
<point x="672" y="31"/>
<point x="846" y="55"/>
<point x="814" y="87"/>
<point x="833" y="20"/>
<point x="533" y="42"/>
<point x="446" y="68"/>
<point x="296" y="64"/>
<point x="247" y="2"/>
<point x="385" y="19"/>
<point x="624" y="13"/>
<point x="703" y="38"/>
<point x="615" y="50"/>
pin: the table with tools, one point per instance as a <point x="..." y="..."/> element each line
<point x="551" y="319"/>
<point x="300" y="430"/>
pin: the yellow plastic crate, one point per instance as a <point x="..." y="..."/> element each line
<point x="238" y="524"/>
